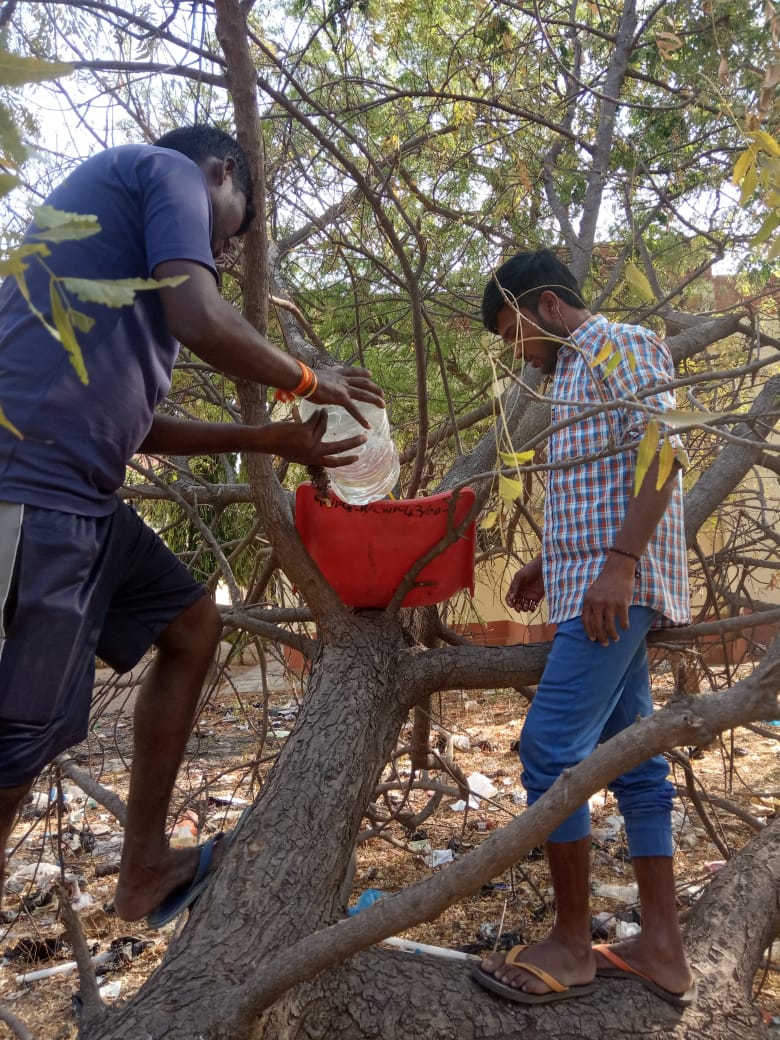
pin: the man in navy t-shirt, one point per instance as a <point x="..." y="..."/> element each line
<point x="80" y="573"/>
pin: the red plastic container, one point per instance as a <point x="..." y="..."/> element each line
<point x="365" y="551"/>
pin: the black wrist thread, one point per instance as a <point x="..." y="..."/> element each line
<point x="623" y="552"/>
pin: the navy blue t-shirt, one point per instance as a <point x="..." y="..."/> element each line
<point x="152" y="205"/>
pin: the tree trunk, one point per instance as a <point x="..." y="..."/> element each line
<point x="391" y="996"/>
<point x="267" y="920"/>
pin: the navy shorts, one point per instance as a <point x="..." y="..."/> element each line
<point x="72" y="587"/>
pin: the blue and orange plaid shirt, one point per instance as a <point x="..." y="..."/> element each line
<point x="586" y="501"/>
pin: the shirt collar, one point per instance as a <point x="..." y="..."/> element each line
<point x="586" y="335"/>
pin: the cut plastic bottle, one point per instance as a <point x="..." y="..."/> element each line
<point x="376" y="471"/>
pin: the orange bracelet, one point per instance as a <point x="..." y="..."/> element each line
<point x="305" y="388"/>
<point x="313" y="388"/>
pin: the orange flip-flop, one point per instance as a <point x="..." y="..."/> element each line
<point x="620" y="969"/>
<point x="557" y="989"/>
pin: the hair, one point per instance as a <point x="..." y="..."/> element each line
<point x="202" y="142"/>
<point x="522" y="279"/>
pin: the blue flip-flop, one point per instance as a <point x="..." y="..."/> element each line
<point x="183" y="897"/>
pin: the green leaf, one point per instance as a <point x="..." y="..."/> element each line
<point x="119" y="292"/>
<point x="764" y="233"/>
<point x="508" y="489"/>
<point x="639" y="283"/>
<point x="83" y="322"/>
<point x="7" y="183"/>
<point x="665" y="463"/>
<point x="12" y="147"/>
<point x="54" y="225"/>
<point x="516" y="458"/>
<point x="16" y="70"/>
<point x="65" y="332"/>
<point x="6" y="422"/>
<point x="647" y="449"/>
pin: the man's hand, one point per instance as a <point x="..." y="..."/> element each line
<point x="344" y="386"/>
<point x="302" y="442"/>
<point x="608" y="600"/>
<point x="294" y="441"/>
<point x="527" y="587"/>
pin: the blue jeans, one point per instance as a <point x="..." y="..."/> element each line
<point x="587" y="694"/>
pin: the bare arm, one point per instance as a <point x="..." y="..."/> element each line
<point x="296" y="442"/>
<point x="214" y="330"/>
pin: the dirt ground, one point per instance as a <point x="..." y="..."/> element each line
<point x="224" y="766"/>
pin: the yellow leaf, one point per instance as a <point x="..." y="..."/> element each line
<point x="603" y="354"/>
<point x="14" y="264"/>
<point x="66" y="334"/>
<point x="766" y="141"/>
<point x="525" y="180"/>
<point x="667" y="43"/>
<point x="746" y="159"/>
<point x="516" y="458"/>
<point x="646" y="454"/>
<point x="508" y="489"/>
<point x="749" y="182"/>
<point x="612" y="364"/>
<point x="682" y="419"/>
<point x="665" y="463"/>
<point x="6" y="422"/>
<point x="638" y="281"/>
<point x="16" y="70"/>
<point x="489" y="521"/>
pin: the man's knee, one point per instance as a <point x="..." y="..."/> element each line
<point x="10" y="800"/>
<point x="195" y="631"/>
<point x="537" y="756"/>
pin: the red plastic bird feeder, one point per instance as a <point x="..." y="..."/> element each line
<point x="366" y="551"/>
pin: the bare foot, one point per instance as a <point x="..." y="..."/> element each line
<point x="569" y="966"/>
<point x="664" y="963"/>
<point x="145" y="881"/>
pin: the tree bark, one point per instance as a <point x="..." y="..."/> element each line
<point x="285" y="866"/>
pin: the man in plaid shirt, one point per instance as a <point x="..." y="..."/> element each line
<point x="613" y="565"/>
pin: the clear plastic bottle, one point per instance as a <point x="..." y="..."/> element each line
<point x="376" y="471"/>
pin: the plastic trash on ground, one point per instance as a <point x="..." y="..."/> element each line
<point x="371" y="895"/>
<point x="481" y="788"/>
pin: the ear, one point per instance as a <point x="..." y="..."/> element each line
<point x="549" y="304"/>
<point x="218" y="170"/>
